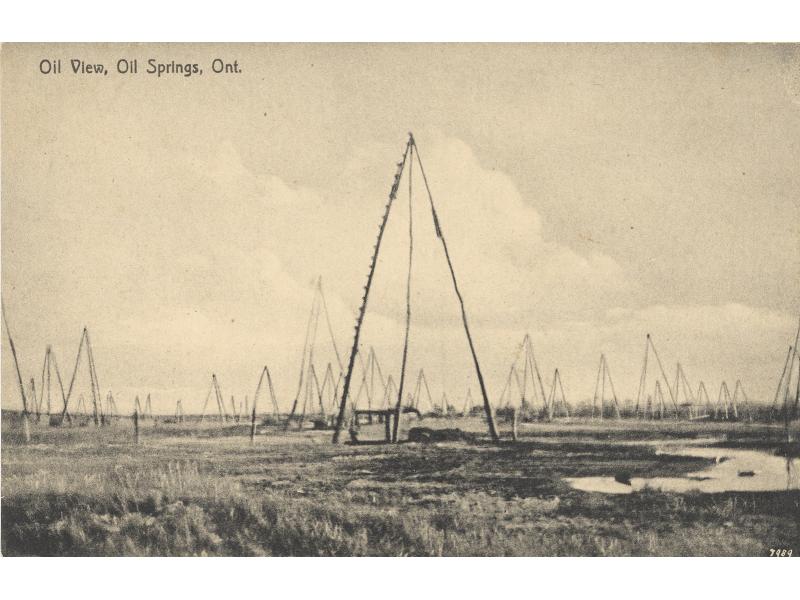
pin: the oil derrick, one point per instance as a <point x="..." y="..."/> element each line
<point x="507" y="394"/>
<point x="703" y="400"/>
<point x="97" y="408"/>
<point x="411" y="152"/>
<point x="49" y="367"/>
<point x="796" y="405"/>
<point x="655" y="406"/>
<point x="787" y="397"/>
<point x="418" y="389"/>
<point x="81" y="409"/>
<point x="214" y="389"/>
<point x="179" y="411"/>
<point x="468" y="404"/>
<point x="315" y="393"/>
<point x="525" y="362"/>
<point x="445" y="406"/>
<point x="265" y="377"/>
<point x="724" y="402"/>
<point x="308" y="384"/>
<point x="740" y="398"/>
<point x="658" y="397"/>
<point x="389" y="393"/>
<point x="37" y="404"/>
<point x="650" y="347"/>
<point x="603" y="376"/>
<point x="137" y="407"/>
<point x="681" y="383"/>
<point x="370" y="369"/>
<point x="648" y="407"/>
<point x="327" y="391"/>
<point x="25" y="424"/>
<point x="111" y="405"/>
<point x="784" y="382"/>
<point x="324" y="391"/>
<point x="554" y="401"/>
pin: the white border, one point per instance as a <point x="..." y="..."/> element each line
<point x="396" y="579"/>
<point x="405" y="20"/>
<point x="400" y="20"/>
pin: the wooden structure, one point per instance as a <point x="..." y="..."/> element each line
<point x="50" y="364"/>
<point x="525" y="362"/>
<point x="603" y="376"/>
<point x="648" y="347"/>
<point x="783" y="394"/>
<point x="266" y="377"/>
<point x="689" y="399"/>
<point x="554" y="401"/>
<point x="386" y="416"/>
<point x="309" y="386"/>
<point x="223" y="414"/>
<point x="97" y="405"/>
<point x="411" y="152"/>
<point x="25" y="425"/>
<point x="418" y="389"/>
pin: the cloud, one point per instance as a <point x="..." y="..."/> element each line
<point x="505" y="266"/>
<point x="215" y="272"/>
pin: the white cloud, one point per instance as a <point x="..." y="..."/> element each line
<point x="226" y="285"/>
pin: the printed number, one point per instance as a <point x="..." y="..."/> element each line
<point x="780" y="552"/>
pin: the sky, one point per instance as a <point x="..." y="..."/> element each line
<point x="589" y="195"/>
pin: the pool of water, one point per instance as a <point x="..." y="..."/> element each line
<point x="734" y="470"/>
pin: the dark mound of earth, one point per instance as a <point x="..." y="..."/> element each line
<point x="427" y="435"/>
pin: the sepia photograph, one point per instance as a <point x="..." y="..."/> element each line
<point x="400" y="299"/>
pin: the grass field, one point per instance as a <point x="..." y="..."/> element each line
<point x="202" y="489"/>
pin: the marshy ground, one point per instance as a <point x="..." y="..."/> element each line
<point x="202" y="489"/>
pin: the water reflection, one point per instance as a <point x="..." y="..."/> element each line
<point x="734" y="470"/>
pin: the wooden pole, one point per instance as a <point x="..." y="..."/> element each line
<point x="597" y="385"/>
<point x="797" y="393"/>
<point x="26" y="431"/>
<point x="643" y="377"/>
<point x="136" y="426"/>
<point x="486" y="404"/>
<point x="663" y="374"/>
<point x="26" y="428"/>
<point x="253" y="426"/>
<point x="36" y="403"/>
<point x="311" y="319"/>
<point x="603" y="388"/>
<point x="794" y="355"/>
<point x="535" y="369"/>
<point x="360" y="319"/>
<point x="780" y="381"/>
<point x="514" y="421"/>
<point x="95" y="386"/>
<point x="408" y="300"/>
<point x="563" y="395"/>
<point x="49" y="406"/>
